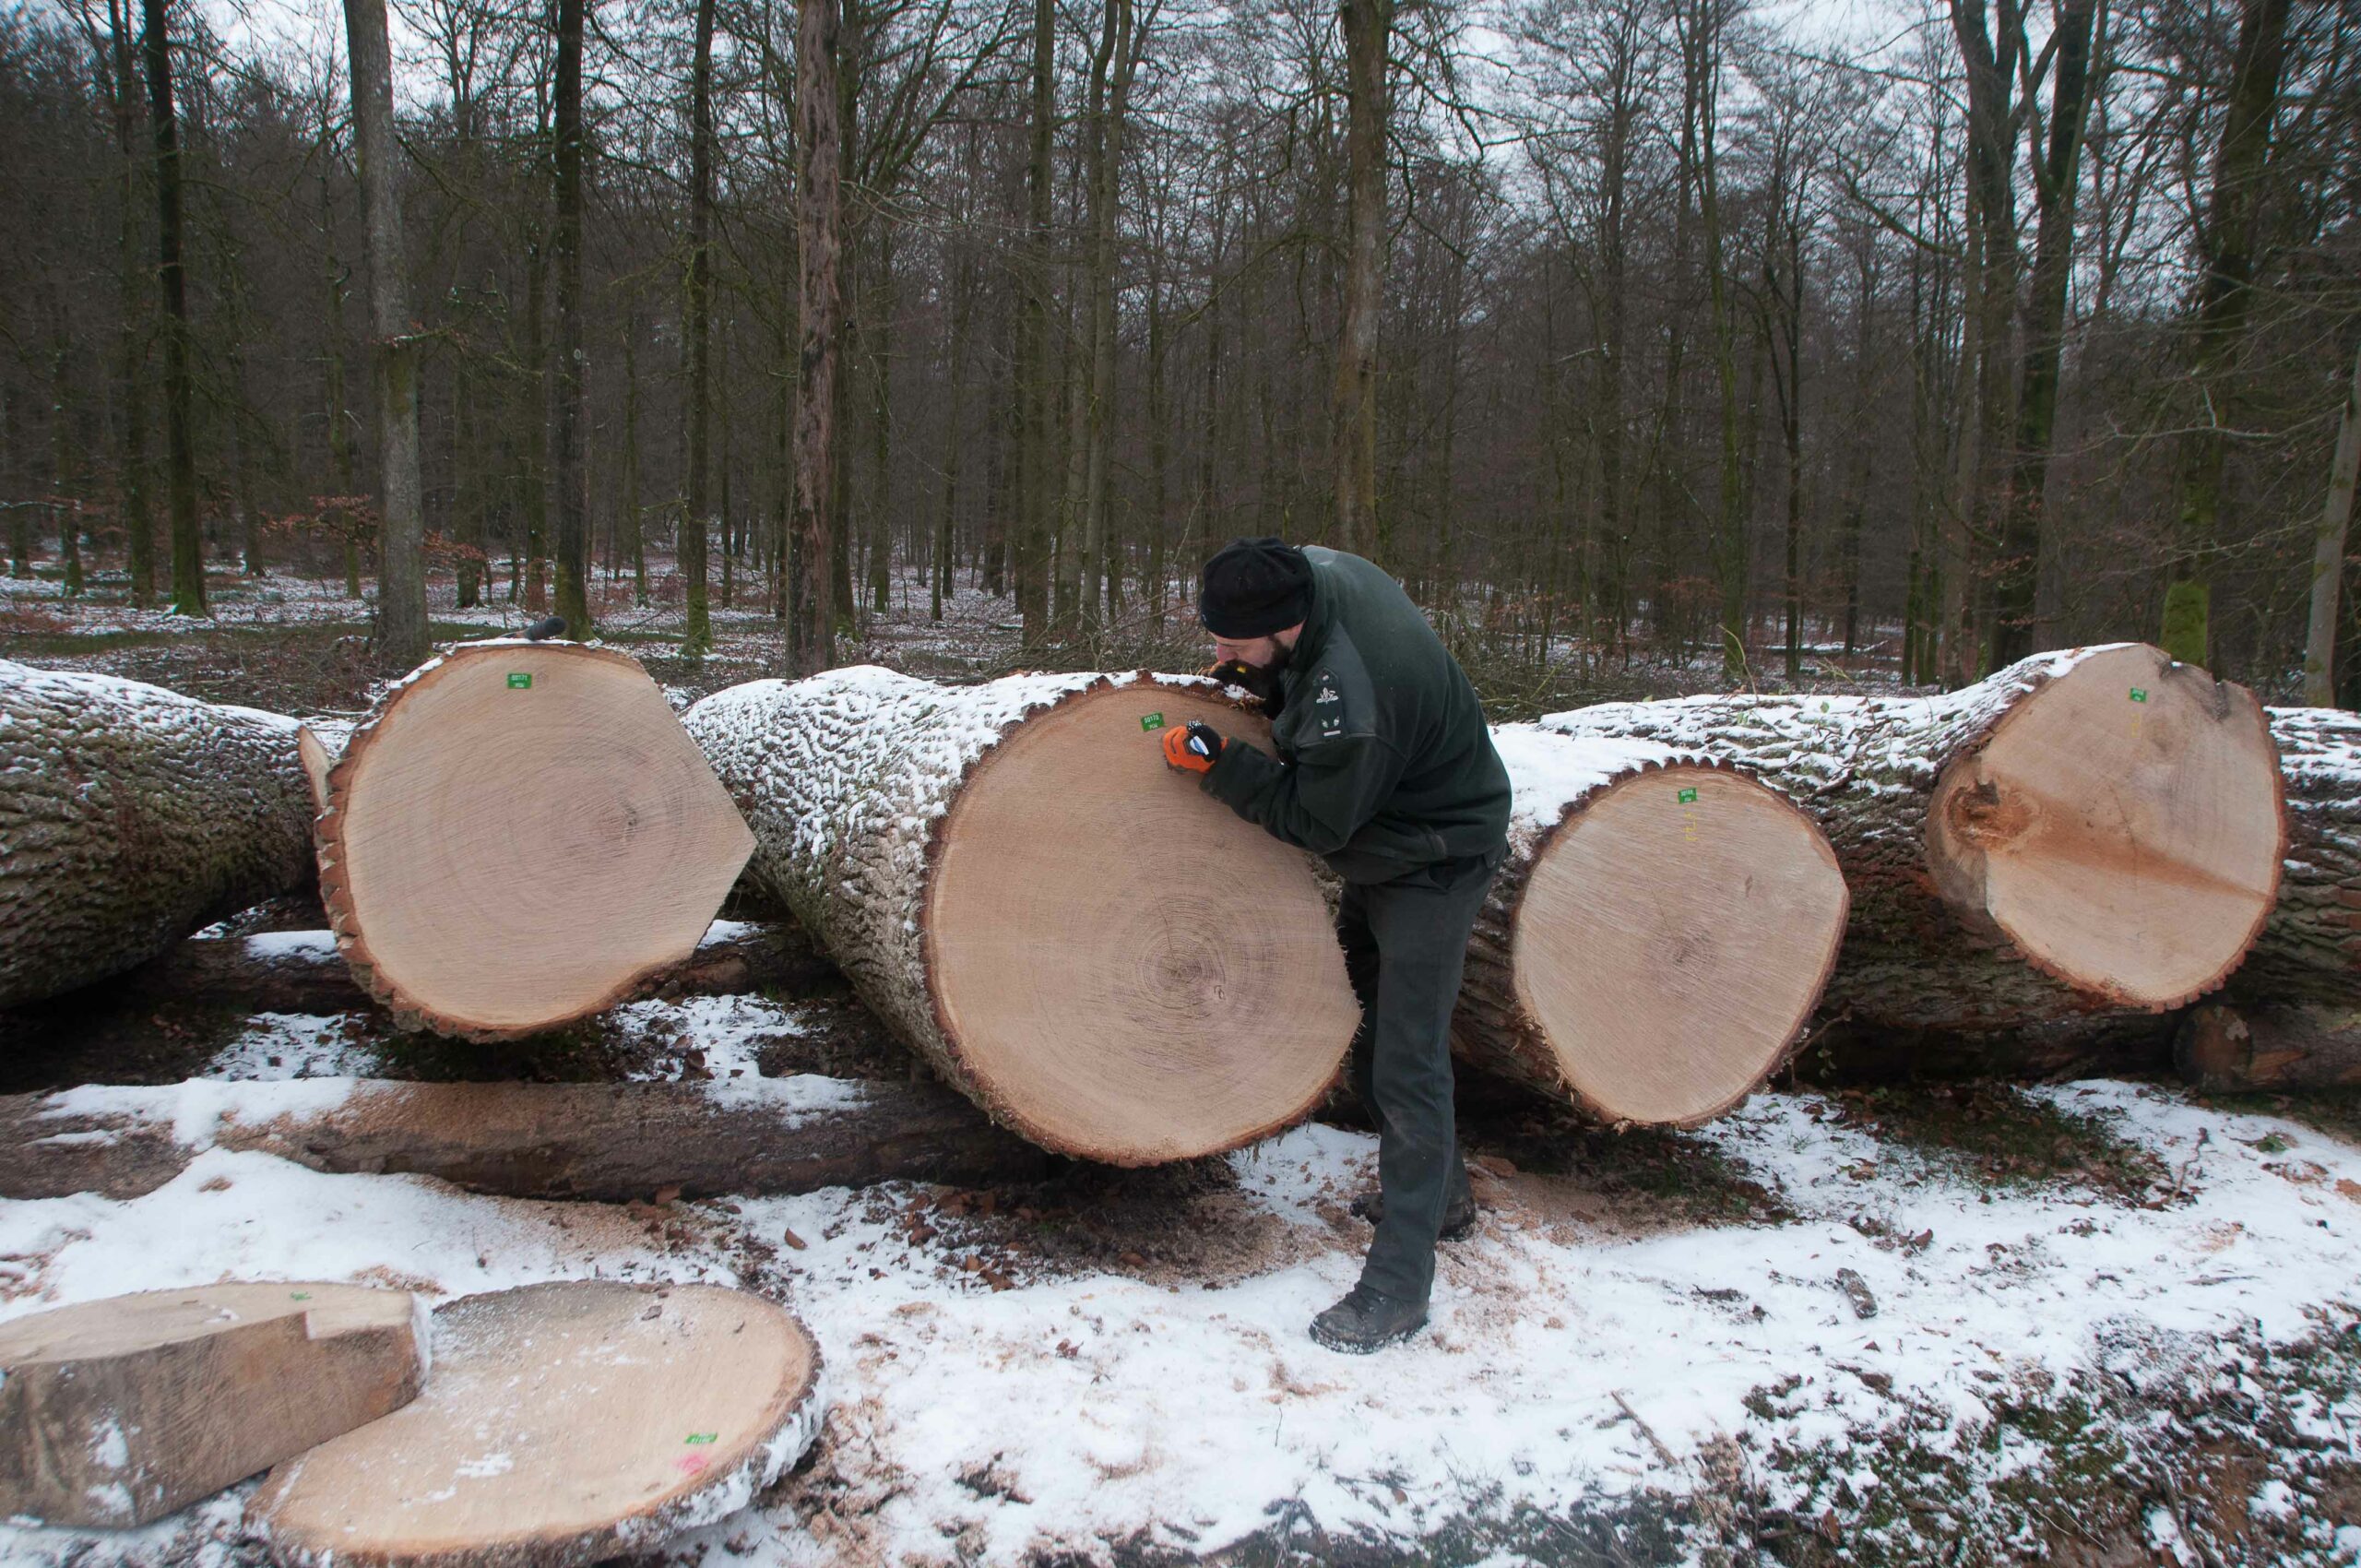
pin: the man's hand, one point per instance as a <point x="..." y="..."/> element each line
<point x="1264" y="684"/>
<point x="1194" y="749"/>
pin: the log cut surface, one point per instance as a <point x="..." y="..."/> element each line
<point x="519" y="836"/>
<point x="116" y="1413"/>
<point x="129" y="816"/>
<point x="1666" y="926"/>
<point x="565" y="1423"/>
<point x="1104" y="958"/>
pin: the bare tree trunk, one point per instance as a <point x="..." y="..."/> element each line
<point x="138" y="520"/>
<point x="698" y="637"/>
<point x="401" y="541"/>
<point x="573" y="388"/>
<point x="180" y="451"/>
<point x="811" y="628"/>
<point x="1035" y="494"/>
<point x="2328" y="552"/>
<point x="1368" y="35"/>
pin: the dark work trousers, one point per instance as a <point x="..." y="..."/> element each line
<point x="1404" y="943"/>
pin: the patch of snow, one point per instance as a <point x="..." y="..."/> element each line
<point x="274" y="1046"/>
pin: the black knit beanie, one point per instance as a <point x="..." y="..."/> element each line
<point x="1254" y="587"/>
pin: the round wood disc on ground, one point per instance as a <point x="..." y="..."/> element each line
<point x="1659" y="937"/>
<point x="2122" y="826"/>
<point x="118" y="1411"/>
<point x="1102" y="956"/>
<point x="521" y="836"/>
<point x="564" y="1423"/>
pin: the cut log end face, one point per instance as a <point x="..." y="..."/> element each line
<point x="1131" y="972"/>
<point x="2122" y="827"/>
<point x="116" y="1413"/>
<point x="1672" y="937"/>
<point x="520" y="838"/>
<point x="565" y="1423"/>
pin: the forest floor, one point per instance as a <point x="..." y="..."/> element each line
<point x="2096" y="1323"/>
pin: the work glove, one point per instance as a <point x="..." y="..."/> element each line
<point x="1194" y="749"/>
<point x="1264" y="684"/>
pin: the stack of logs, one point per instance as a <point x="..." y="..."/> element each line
<point x="2079" y="851"/>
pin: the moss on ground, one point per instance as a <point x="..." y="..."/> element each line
<point x="1994" y="1136"/>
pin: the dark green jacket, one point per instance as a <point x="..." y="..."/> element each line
<point x="1384" y="764"/>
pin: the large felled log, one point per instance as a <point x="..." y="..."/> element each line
<point x="565" y="1423"/>
<point x="521" y="836"/>
<point x="1096" y="952"/>
<point x="2086" y="834"/>
<point x="116" y="1413"/>
<point x="130" y="816"/>
<point x="600" y="1141"/>
<point x="1658" y="936"/>
<point x="301" y="971"/>
<point x="2291" y="1017"/>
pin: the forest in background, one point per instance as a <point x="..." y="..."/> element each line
<point x="1619" y="329"/>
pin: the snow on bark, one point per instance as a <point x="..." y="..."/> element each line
<point x="1924" y="951"/>
<point x="130" y="816"/>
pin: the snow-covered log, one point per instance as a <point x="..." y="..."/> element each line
<point x="2291" y="1017"/>
<point x="1102" y="957"/>
<point x="600" y="1141"/>
<point x="1658" y="936"/>
<point x="520" y="836"/>
<point x="301" y="971"/>
<point x="2085" y="834"/>
<point x="130" y="816"/>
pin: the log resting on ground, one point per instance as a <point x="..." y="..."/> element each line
<point x="1658" y="936"/>
<point x="2082" y="839"/>
<point x="1098" y="953"/>
<point x="520" y="836"/>
<point x="2291" y="1017"/>
<point x="301" y="971"/>
<point x="130" y="816"/>
<point x="611" y="1142"/>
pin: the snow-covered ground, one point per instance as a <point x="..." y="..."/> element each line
<point x="999" y="1394"/>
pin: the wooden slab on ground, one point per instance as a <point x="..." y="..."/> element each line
<point x="565" y="1423"/>
<point x="521" y="836"/>
<point x="119" y="1411"/>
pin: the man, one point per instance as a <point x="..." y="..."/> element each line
<point x="1386" y="770"/>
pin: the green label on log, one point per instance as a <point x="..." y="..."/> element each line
<point x="2139" y="694"/>
<point x="702" y="1436"/>
<point x="1152" y="721"/>
<point x="1689" y="797"/>
<point x="520" y="680"/>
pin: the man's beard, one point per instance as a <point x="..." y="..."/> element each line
<point x="1262" y="679"/>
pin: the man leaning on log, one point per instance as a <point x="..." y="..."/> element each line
<point x="1386" y="770"/>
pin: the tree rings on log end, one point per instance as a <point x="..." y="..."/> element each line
<point x="521" y="836"/>
<point x="1672" y="937"/>
<point x="116" y="1413"/>
<point x="2122" y="825"/>
<point x="1131" y="973"/>
<point x="564" y="1423"/>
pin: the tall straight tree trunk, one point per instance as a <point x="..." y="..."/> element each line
<point x="65" y="496"/>
<point x="573" y="392"/>
<point x="180" y="452"/>
<point x="1368" y="35"/>
<point x="1036" y="492"/>
<point x="963" y="290"/>
<point x="1789" y="384"/>
<point x="470" y="487"/>
<point x="698" y="637"/>
<point x="634" y="524"/>
<point x="536" y="426"/>
<point x="1729" y="552"/>
<point x="401" y="540"/>
<point x="2016" y="567"/>
<point x="138" y="524"/>
<point x="2328" y="552"/>
<point x="1991" y="58"/>
<point x="811" y="627"/>
<point x="339" y="418"/>
<point x="2227" y="243"/>
<point x="880" y="431"/>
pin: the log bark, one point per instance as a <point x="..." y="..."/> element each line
<point x="521" y="836"/>
<point x="2084" y="836"/>
<point x="301" y="971"/>
<point x="130" y="816"/>
<point x="1102" y="957"/>
<point x="1657" y="940"/>
<point x="605" y="1142"/>
<point x="116" y="1413"/>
